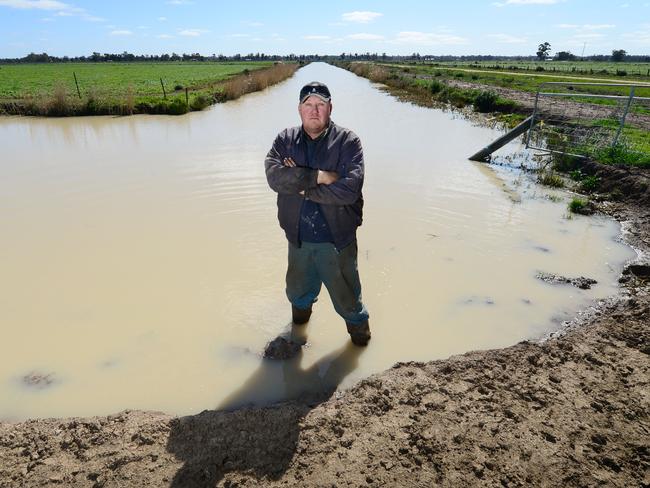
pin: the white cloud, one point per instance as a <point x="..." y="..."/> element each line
<point x="191" y="32"/>
<point x="427" y="38"/>
<point x="62" y="9"/>
<point x="641" y="38"/>
<point x="508" y="39"/>
<point x="588" y="36"/>
<point x="164" y="36"/>
<point x="567" y="26"/>
<point x="254" y="24"/>
<point x="363" y="17"/>
<point x="362" y="36"/>
<point x="121" y="33"/>
<point x="316" y="38"/>
<point x="162" y="19"/>
<point x="598" y="26"/>
<point x="35" y="4"/>
<point x="179" y="2"/>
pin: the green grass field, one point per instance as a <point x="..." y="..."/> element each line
<point x="114" y="80"/>
<point x="640" y="71"/>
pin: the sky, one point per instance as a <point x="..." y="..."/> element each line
<point x="451" y="27"/>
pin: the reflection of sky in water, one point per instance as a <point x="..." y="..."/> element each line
<point x="143" y="265"/>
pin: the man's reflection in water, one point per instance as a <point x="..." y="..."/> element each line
<point x="260" y="442"/>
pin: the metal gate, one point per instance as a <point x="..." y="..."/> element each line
<point x="579" y="118"/>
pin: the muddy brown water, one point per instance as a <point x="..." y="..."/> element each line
<point x="142" y="264"/>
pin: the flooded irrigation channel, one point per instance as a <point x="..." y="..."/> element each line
<point x="143" y="266"/>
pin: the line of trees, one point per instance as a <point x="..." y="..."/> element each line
<point x="618" y="55"/>
<point x="126" y="57"/>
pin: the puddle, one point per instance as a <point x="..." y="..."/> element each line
<point x="143" y="266"/>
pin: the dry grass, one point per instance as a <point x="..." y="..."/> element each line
<point x="59" y="103"/>
<point x="373" y="72"/>
<point x="129" y="101"/>
<point x="256" y="80"/>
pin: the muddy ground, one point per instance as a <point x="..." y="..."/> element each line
<point x="572" y="410"/>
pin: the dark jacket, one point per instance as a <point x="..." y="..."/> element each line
<point x="341" y="202"/>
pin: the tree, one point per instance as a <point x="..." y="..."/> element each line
<point x="543" y="51"/>
<point x="618" y="55"/>
<point x="565" y="56"/>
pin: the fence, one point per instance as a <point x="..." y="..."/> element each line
<point x="578" y="118"/>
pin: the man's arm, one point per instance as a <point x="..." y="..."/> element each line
<point x="283" y="178"/>
<point x="347" y="188"/>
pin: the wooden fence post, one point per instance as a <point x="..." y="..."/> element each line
<point x="163" y="87"/>
<point x="187" y="98"/>
<point x="76" y="83"/>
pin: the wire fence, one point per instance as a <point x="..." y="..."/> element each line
<point x="580" y="118"/>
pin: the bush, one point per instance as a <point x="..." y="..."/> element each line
<point x="177" y="106"/>
<point x="549" y="178"/>
<point x="590" y="183"/>
<point x="576" y="175"/>
<point x="459" y="75"/>
<point x="485" y="101"/>
<point x="200" y="102"/>
<point x="576" y="205"/>
<point x="436" y="86"/>
<point x="59" y="103"/>
<point x="621" y="72"/>
<point x="437" y="73"/>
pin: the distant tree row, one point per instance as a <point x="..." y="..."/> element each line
<point x="543" y="53"/>
<point x="618" y="55"/>
<point x="127" y="57"/>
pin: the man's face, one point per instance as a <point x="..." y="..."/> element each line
<point x="315" y="114"/>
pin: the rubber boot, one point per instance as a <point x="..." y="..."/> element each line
<point x="360" y="334"/>
<point x="300" y="316"/>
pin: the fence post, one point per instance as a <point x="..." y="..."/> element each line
<point x="627" y="109"/>
<point x="76" y="83"/>
<point x="163" y="87"/>
<point x="187" y="98"/>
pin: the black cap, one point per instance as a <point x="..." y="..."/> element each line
<point x="315" y="88"/>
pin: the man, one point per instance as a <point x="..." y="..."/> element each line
<point x="317" y="171"/>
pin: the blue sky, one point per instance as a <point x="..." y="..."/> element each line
<point x="501" y="27"/>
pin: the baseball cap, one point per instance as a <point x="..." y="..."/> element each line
<point x="315" y="88"/>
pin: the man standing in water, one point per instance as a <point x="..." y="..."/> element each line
<point x="317" y="171"/>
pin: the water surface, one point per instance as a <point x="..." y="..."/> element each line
<point x="143" y="267"/>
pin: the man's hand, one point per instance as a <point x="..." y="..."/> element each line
<point x="327" y="177"/>
<point x="324" y="177"/>
<point x="289" y="162"/>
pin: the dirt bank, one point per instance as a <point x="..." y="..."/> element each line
<point x="572" y="410"/>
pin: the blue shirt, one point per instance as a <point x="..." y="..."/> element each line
<point x="313" y="226"/>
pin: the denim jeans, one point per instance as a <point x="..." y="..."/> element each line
<point x="314" y="264"/>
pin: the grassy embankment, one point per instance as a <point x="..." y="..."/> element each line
<point x="130" y="88"/>
<point x="427" y="84"/>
